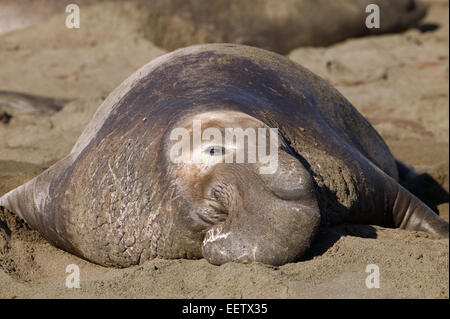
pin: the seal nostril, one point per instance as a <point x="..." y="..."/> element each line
<point x="411" y="5"/>
<point x="287" y="194"/>
<point x="291" y="182"/>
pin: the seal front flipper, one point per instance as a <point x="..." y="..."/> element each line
<point x="410" y="213"/>
<point x="30" y="202"/>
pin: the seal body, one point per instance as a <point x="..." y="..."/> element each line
<point x="119" y="198"/>
<point x="279" y="26"/>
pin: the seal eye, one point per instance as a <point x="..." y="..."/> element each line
<point x="215" y="150"/>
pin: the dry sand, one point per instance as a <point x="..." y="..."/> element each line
<point x="399" y="82"/>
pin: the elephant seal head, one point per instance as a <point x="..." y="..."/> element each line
<point x="246" y="197"/>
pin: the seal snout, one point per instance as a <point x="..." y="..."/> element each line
<point x="291" y="181"/>
<point x="270" y="218"/>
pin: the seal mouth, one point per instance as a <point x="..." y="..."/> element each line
<point x="217" y="206"/>
<point x="214" y="213"/>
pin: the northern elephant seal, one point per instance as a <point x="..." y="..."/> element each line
<point x="119" y="198"/>
<point x="279" y="26"/>
<point x="275" y="25"/>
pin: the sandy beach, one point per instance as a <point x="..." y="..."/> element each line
<point x="399" y="82"/>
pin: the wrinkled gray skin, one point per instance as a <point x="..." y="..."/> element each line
<point x="118" y="200"/>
